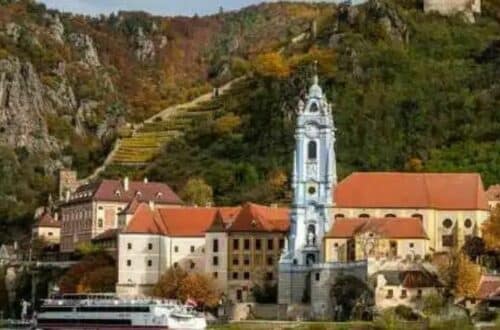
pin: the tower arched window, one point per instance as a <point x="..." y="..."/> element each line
<point x="312" y="152"/>
<point x="313" y="107"/>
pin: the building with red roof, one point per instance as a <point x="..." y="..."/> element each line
<point x="92" y="209"/>
<point x="451" y="206"/>
<point x="47" y="227"/>
<point x="363" y="238"/>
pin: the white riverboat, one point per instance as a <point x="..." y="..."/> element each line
<point x="106" y="311"/>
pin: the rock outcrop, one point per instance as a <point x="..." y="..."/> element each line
<point x="145" y="48"/>
<point x="22" y="108"/>
<point x="56" y="28"/>
<point x="388" y="17"/>
<point x="85" y="45"/>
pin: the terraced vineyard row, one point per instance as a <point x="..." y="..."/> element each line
<point x="146" y="142"/>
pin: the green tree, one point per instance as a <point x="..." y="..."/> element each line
<point x="197" y="192"/>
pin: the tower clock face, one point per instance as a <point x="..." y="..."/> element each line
<point x="312" y="130"/>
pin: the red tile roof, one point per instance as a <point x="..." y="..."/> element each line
<point x="114" y="191"/>
<point x="489" y="287"/>
<point x="258" y="218"/>
<point x="177" y="222"/>
<point x="386" y="227"/>
<point x="448" y="191"/>
<point x="493" y="193"/>
<point x="131" y="207"/>
<point x="46" y="220"/>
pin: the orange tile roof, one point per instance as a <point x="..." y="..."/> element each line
<point x="493" y="193"/>
<point x="447" y="191"/>
<point x="46" y="220"/>
<point x="386" y="227"/>
<point x="177" y="222"/>
<point x="489" y="287"/>
<point x="258" y="218"/>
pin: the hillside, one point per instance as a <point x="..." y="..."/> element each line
<point x="411" y="92"/>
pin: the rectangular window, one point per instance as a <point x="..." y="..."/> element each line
<point x="270" y="244"/>
<point x="215" y="261"/>
<point x="403" y="293"/>
<point x="246" y="275"/>
<point x="235" y="275"/>
<point x="176" y="264"/>
<point x="258" y="244"/>
<point x="282" y="243"/>
<point x="390" y="294"/>
<point x="129" y="246"/>
<point x="412" y="245"/>
<point x="419" y="293"/>
<point x="317" y="276"/>
<point x="246" y="244"/>
<point x="176" y="249"/>
<point x="269" y="261"/>
<point x="215" y="245"/>
<point x="150" y="263"/>
<point x="215" y="274"/>
<point x="192" y="249"/>
<point x="236" y="261"/>
<point x="246" y="260"/>
<point x="269" y="276"/>
<point x="448" y="240"/>
<point x="150" y="246"/>
<point x="236" y="244"/>
<point x="129" y="262"/>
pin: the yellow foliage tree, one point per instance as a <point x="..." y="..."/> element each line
<point x="491" y="230"/>
<point x="169" y="283"/>
<point x="272" y="65"/>
<point x="197" y="192"/>
<point x="277" y="179"/>
<point x="468" y="275"/>
<point x="201" y="288"/>
<point x="227" y="124"/>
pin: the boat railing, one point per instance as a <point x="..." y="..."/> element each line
<point x="110" y="302"/>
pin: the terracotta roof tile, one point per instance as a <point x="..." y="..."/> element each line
<point x="46" y="220"/>
<point x="114" y="191"/>
<point x="258" y="218"/>
<point x="144" y="222"/>
<point x="489" y="287"/>
<point x="386" y="227"/>
<point x="493" y="193"/>
<point x="449" y="191"/>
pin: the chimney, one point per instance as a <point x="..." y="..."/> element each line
<point x="146" y="180"/>
<point x="67" y="195"/>
<point x="56" y="216"/>
<point x="125" y="183"/>
<point x="152" y="204"/>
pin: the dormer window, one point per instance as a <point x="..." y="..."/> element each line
<point x="159" y="195"/>
<point x="117" y="192"/>
<point x="138" y="194"/>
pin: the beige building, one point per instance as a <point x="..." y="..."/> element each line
<point x="93" y="209"/>
<point x="493" y="195"/>
<point x="47" y="228"/>
<point x="246" y="252"/>
<point x="403" y="283"/>
<point x="157" y="239"/>
<point x="451" y="206"/>
<point x="380" y="238"/>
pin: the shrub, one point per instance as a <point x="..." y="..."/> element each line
<point x="406" y="313"/>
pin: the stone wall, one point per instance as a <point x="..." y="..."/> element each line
<point x="323" y="277"/>
<point x="447" y="7"/>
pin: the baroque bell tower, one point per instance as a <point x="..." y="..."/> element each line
<point x="314" y="177"/>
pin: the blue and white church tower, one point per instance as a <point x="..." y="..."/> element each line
<point x="313" y="181"/>
<point x="314" y="177"/>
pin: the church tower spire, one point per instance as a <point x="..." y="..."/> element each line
<point x="314" y="176"/>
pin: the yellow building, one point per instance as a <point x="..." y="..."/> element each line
<point x="363" y="238"/>
<point x="451" y="206"/>
<point x="247" y="250"/>
<point x="47" y="228"/>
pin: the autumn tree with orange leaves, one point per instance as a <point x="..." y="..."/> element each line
<point x="272" y="65"/>
<point x="491" y="230"/>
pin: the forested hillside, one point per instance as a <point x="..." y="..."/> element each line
<point x="411" y="92"/>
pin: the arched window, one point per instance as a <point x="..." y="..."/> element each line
<point x="447" y="223"/>
<point x="468" y="223"/>
<point x="364" y="215"/>
<point x="339" y="215"/>
<point x="418" y="215"/>
<point x="312" y="151"/>
<point x="313" y="107"/>
<point x="390" y="215"/>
